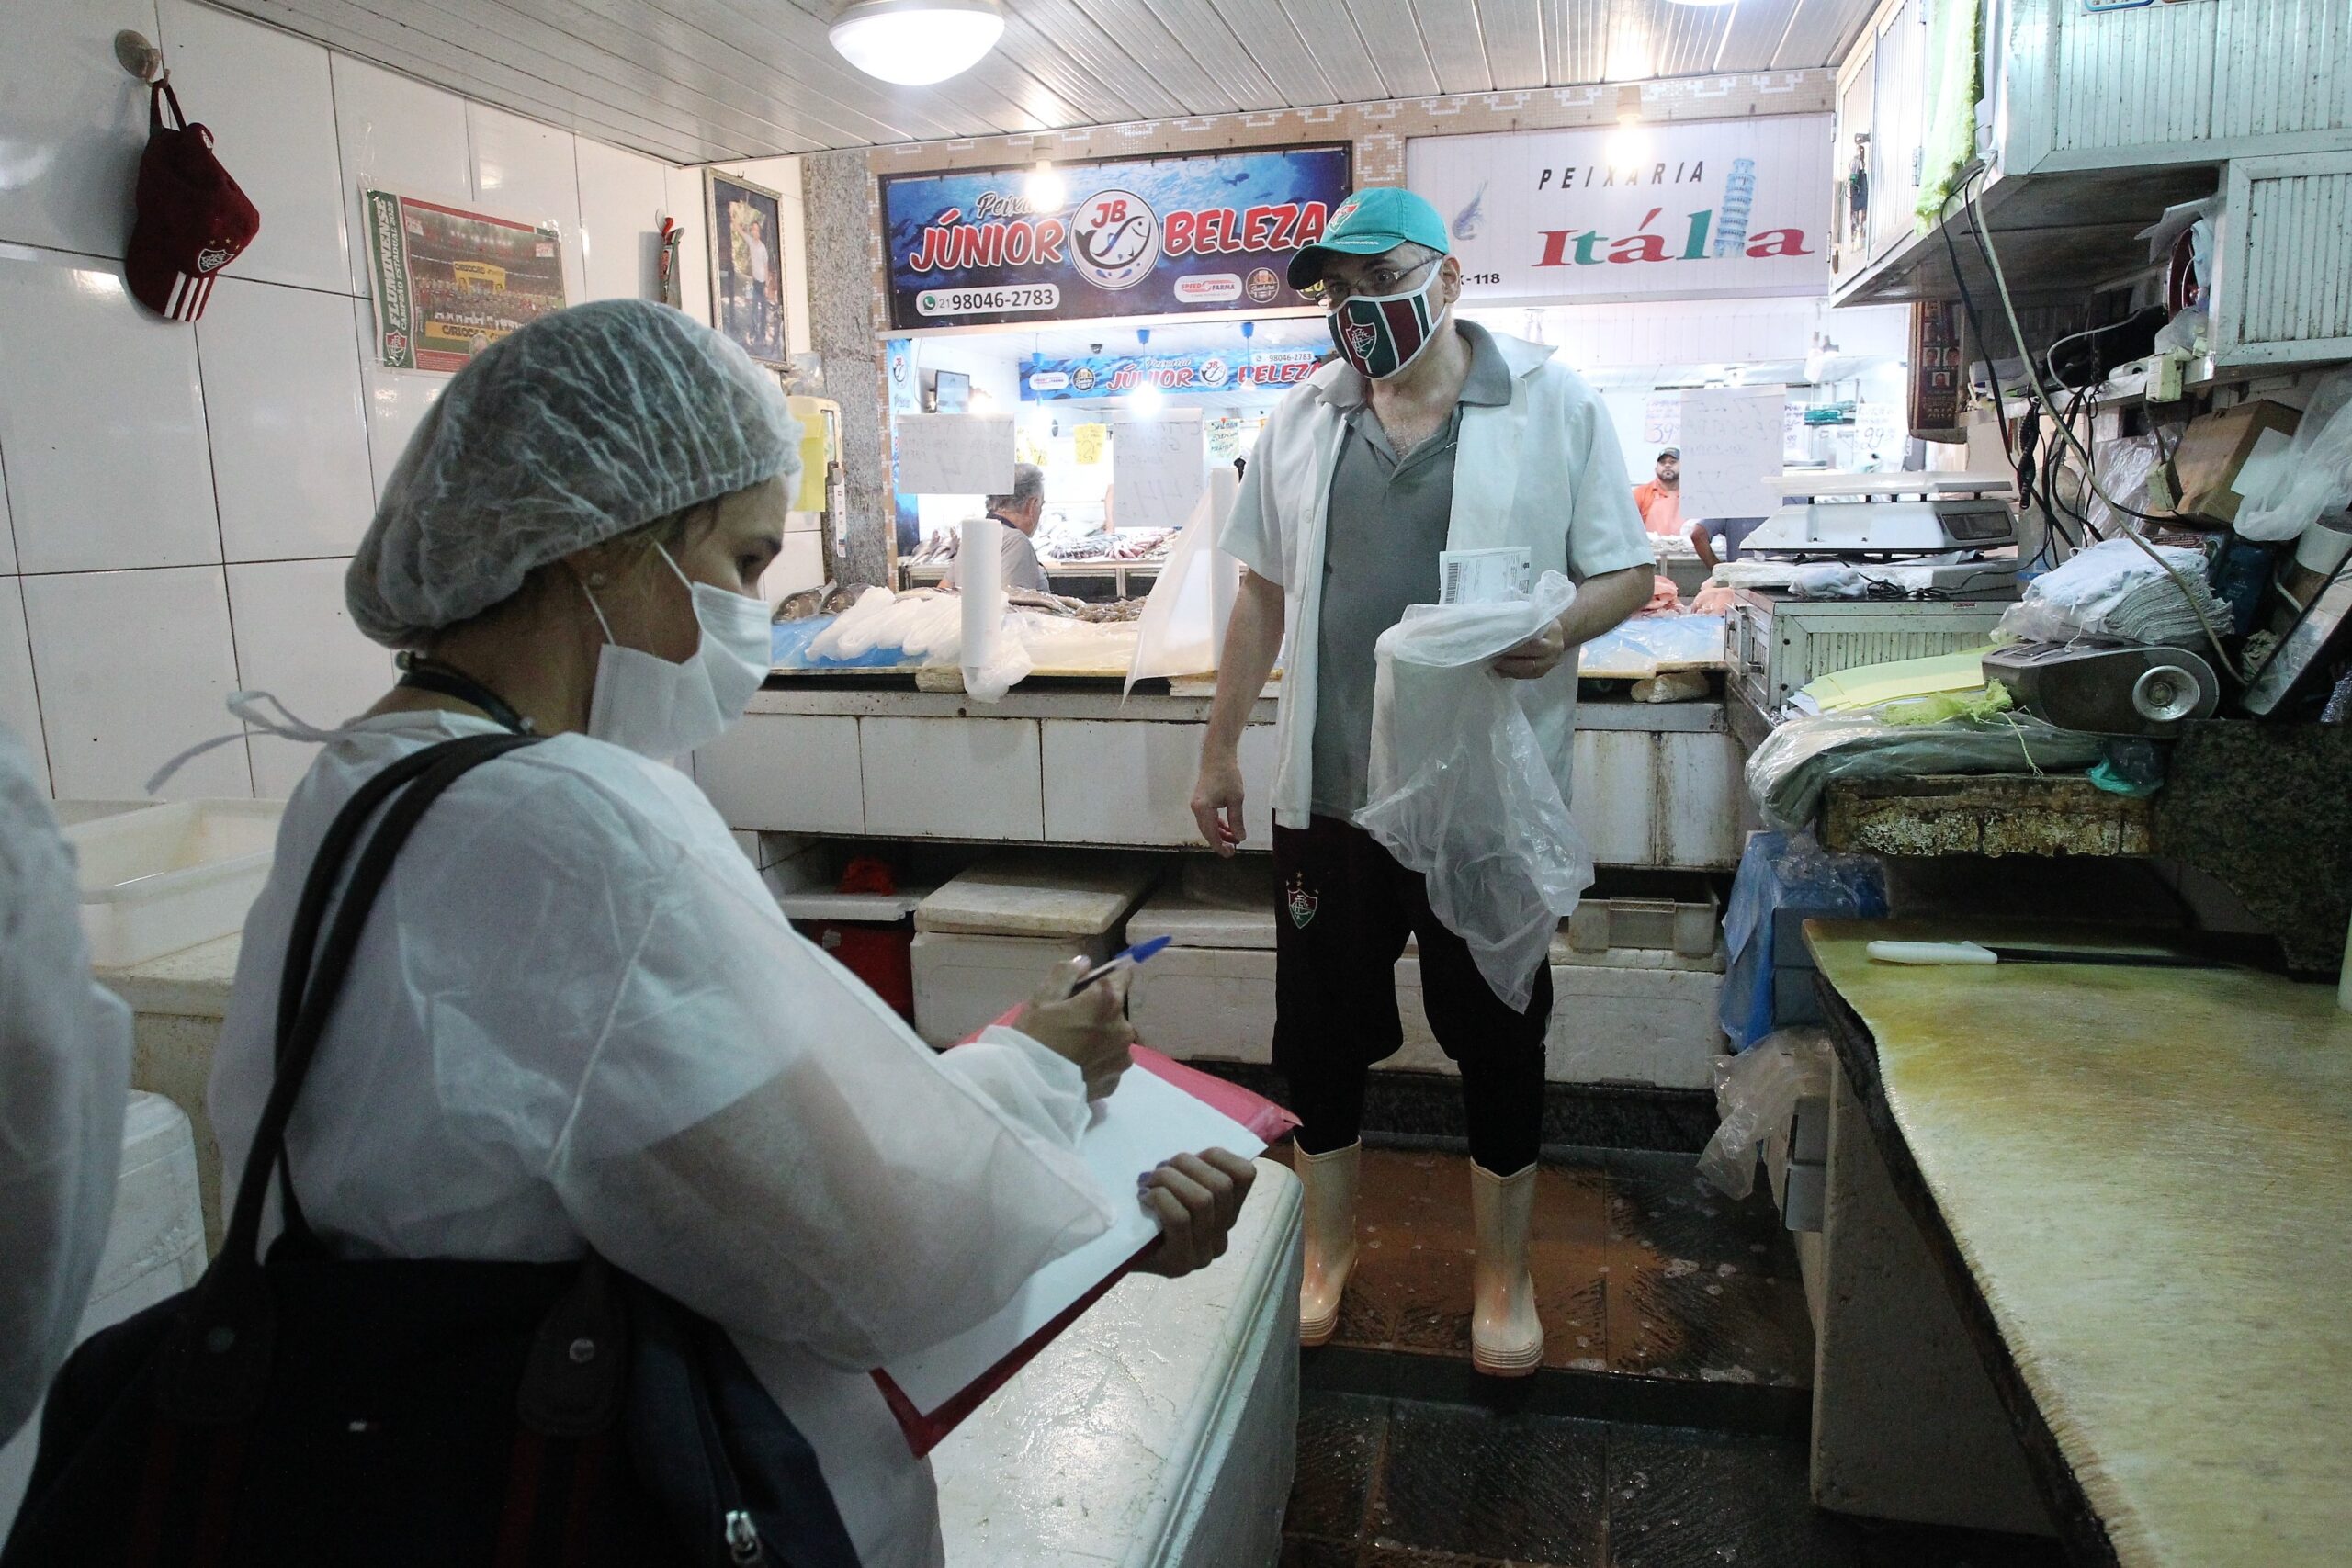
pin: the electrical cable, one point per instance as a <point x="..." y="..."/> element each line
<point x="2009" y="305"/>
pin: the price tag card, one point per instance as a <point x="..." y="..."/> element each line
<point x="1482" y="577"/>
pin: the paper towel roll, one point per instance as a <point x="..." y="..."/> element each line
<point x="979" y="561"/>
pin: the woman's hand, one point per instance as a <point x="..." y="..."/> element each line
<point x="1197" y="1198"/>
<point x="1090" y="1030"/>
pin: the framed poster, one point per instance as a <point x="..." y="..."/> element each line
<point x="747" y="265"/>
<point x="450" y="282"/>
<point x="1207" y="233"/>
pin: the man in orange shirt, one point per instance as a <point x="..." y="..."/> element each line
<point x="1659" y="501"/>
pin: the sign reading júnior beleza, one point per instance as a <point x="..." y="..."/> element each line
<point x="1191" y="232"/>
<point x="1707" y="209"/>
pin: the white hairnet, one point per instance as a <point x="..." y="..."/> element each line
<point x="577" y="428"/>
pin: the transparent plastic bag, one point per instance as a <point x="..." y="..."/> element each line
<point x="2314" y="478"/>
<point x="1757" y="1095"/>
<point x="1460" y="790"/>
<point x="1783" y="870"/>
<point x="1797" y="760"/>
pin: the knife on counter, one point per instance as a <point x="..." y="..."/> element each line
<point x="1979" y="953"/>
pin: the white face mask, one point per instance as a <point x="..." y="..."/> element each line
<point x="662" y="710"/>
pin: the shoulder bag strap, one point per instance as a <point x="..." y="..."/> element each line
<point x="218" y="1360"/>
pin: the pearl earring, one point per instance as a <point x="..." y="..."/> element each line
<point x="595" y="580"/>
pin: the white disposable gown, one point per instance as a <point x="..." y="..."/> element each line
<point x="576" y="1017"/>
<point x="64" y="1077"/>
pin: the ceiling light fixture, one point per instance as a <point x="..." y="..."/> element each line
<point x="917" y="42"/>
<point x="1715" y="3"/>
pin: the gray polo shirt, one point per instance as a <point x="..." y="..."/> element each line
<point x="1387" y="525"/>
<point x="1021" y="568"/>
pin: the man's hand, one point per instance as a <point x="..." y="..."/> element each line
<point x="1216" y="802"/>
<point x="1535" y="658"/>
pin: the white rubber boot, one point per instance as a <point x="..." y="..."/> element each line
<point x="1505" y="1337"/>
<point x="1331" y="1223"/>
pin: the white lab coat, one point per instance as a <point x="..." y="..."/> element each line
<point x="64" y="1077"/>
<point x="1543" y="472"/>
<point x="576" y="1017"/>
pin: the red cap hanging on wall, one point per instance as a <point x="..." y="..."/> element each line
<point x="193" y="221"/>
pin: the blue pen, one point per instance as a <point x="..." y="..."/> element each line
<point x="1128" y="960"/>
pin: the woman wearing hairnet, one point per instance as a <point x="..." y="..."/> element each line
<point x="577" y="1017"/>
<point x="64" y="1071"/>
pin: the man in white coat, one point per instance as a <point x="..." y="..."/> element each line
<point x="1425" y="435"/>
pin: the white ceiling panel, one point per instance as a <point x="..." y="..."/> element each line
<point x="1512" y="32"/>
<point x="1063" y="26"/>
<point x="1331" y="37"/>
<point x="1145" y="40"/>
<point x="1454" y="35"/>
<point x="1752" y="40"/>
<point x="1228" y="59"/>
<point x="1271" y="35"/>
<point x="1683" y="38"/>
<point x="1393" y="34"/>
<point x="1576" y="35"/>
<point x="698" y="81"/>
<point x="1820" y="32"/>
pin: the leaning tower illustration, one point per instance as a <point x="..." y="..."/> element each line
<point x="1739" y="196"/>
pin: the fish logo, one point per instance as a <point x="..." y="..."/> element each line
<point x="1473" y="217"/>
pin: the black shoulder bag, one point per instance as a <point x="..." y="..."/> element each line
<point x="311" y="1413"/>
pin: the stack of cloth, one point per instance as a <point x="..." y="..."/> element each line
<point x="2114" y="590"/>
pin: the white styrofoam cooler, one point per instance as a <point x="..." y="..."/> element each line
<point x="963" y="983"/>
<point x="1640" y="1016"/>
<point x="154" y="1248"/>
<point x="989" y="938"/>
<point x="171" y="876"/>
<point x="1159" y="1431"/>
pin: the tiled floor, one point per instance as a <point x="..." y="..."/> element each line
<point x="1402" y="1483"/>
<point x="1639" y="1268"/>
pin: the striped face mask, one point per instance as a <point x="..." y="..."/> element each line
<point x="1381" y="335"/>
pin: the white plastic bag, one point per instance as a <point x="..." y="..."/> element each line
<point x="1756" y="1094"/>
<point x="2315" y="476"/>
<point x="1183" y="629"/>
<point x="1460" y="791"/>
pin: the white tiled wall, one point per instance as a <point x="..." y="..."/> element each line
<point x="177" y="503"/>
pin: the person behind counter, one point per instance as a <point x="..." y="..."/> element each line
<point x="1427" y="431"/>
<point x="577" y="1019"/>
<point x="1019" y="511"/>
<point x="1659" y="497"/>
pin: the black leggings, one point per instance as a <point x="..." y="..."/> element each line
<point x="1502" y="1100"/>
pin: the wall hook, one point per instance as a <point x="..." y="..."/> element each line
<point x="141" y="58"/>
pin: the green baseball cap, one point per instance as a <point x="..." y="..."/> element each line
<point x="1369" y="223"/>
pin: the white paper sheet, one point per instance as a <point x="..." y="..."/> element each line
<point x="1159" y="467"/>
<point x="954" y="454"/>
<point x="1147" y="1122"/>
<point x="1731" y="442"/>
